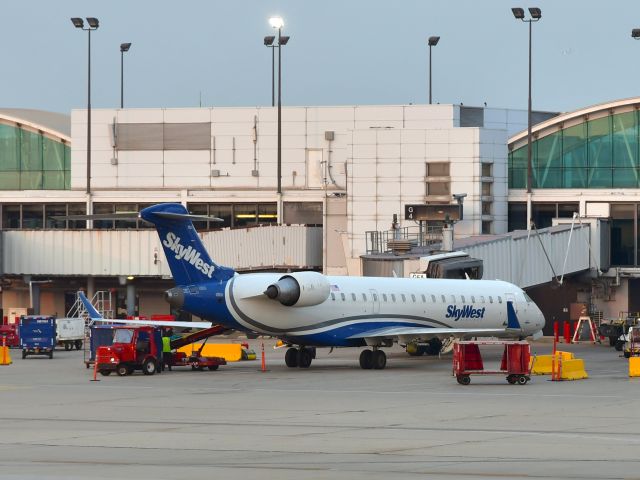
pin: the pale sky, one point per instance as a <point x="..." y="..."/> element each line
<point x="341" y="52"/>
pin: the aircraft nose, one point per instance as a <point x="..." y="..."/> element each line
<point x="175" y="297"/>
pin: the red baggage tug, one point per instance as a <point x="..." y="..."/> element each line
<point x="133" y="348"/>
<point x="515" y="364"/>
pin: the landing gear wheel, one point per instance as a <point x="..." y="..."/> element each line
<point x="434" y="347"/>
<point x="304" y="358"/>
<point x="366" y="359"/>
<point x="149" y="367"/>
<point x="612" y="341"/>
<point x="122" y="370"/>
<point x="511" y="379"/>
<point x="379" y="360"/>
<point x="522" y="380"/>
<point x="627" y="354"/>
<point x="291" y="357"/>
<point x="463" y="379"/>
<point x="619" y="345"/>
<point x="105" y="373"/>
<point x="213" y="367"/>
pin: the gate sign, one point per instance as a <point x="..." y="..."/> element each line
<point x="432" y="212"/>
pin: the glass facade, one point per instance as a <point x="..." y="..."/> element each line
<point x="234" y="215"/>
<point x="599" y="153"/>
<point x="32" y="161"/>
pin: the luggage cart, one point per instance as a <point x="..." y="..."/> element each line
<point x="515" y="364"/>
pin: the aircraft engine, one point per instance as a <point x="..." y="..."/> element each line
<point x="300" y="289"/>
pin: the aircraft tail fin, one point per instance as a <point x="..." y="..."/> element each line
<point x="188" y="259"/>
<point x="93" y="313"/>
<point x="512" y="318"/>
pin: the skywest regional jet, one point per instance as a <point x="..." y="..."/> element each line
<point x="308" y="309"/>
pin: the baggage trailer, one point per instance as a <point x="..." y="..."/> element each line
<point x="37" y="335"/>
<point x="515" y="363"/>
<point x="70" y="332"/>
<point x="196" y="360"/>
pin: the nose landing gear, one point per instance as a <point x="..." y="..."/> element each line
<point x="373" y="359"/>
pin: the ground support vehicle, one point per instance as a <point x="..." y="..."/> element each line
<point x="10" y="332"/>
<point x="632" y="343"/>
<point x="70" y="332"/>
<point x="196" y="361"/>
<point x="37" y="335"/>
<point x="515" y="364"/>
<point x="133" y="348"/>
<point x="614" y="329"/>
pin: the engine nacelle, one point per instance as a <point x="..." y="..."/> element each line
<point x="301" y="289"/>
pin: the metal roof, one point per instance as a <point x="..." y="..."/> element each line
<point x="51" y="122"/>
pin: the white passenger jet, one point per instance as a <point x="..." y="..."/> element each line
<point x="308" y="309"/>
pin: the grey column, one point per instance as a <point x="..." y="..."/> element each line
<point x="131" y="299"/>
<point x="35" y="293"/>
<point x="91" y="287"/>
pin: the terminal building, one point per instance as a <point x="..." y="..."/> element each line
<point x="345" y="173"/>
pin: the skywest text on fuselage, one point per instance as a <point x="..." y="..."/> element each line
<point x="467" y="311"/>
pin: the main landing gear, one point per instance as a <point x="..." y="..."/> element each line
<point x="299" y="357"/>
<point x="373" y="359"/>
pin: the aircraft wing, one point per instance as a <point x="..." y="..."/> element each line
<point x="423" y="332"/>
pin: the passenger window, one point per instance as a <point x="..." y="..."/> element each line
<point x="473" y="299"/>
<point x="443" y="300"/>
<point x="393" y="297"/>
<point x="481" y="298"/>
<point x="433" y="298"/>
<point x="333" y="296"/>
<point x="353" y="297"/>
<point x="384" y="297"/>
<point x="404" y="299"/>
<point x="413" y="297"/>
<point x="499" y="299"/>
<point x="424" y="300"/>
<point x="490" y="299"/>
<point x="364" y="297"/>
<point x="343" y="297"/>
<point x="462" y="297"/>
<point x="375" y="297"/>
<point x="453" y="299"/>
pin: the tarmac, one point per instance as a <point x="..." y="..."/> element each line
<point x="333" y="420"/>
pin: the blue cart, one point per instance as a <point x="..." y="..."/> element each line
<point x="37" y="335"/>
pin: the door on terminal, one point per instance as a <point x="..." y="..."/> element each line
<point x="634" y="295"/>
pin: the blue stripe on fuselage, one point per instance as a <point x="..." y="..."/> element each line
<point x="206" y="300"/>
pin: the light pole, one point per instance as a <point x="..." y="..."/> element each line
<point x="536" y="14"/>
<point x="93" y="25"/>
<point x="277" y="22"/>
<point x="124" y="47"/>
<point x="268" y="42"/>
<point x="433" y="41"/>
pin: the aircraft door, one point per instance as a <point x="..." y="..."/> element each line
<point x="375" y="301"/>
<point x="510" y="297"/>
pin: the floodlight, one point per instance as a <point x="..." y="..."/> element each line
<point x="124" y="47"/>
<point x="635" y="33"/>
<point x="535" y="12"/>
<point x="518" y="13"/>
<point x="283" y="40"/>
<point x="77" y="22"/>
<point x="433" y="41"/>
<point x="276" y="22"/>
<point x="268" y="40"/>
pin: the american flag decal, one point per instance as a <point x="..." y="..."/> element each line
<point x="335" y="288"/>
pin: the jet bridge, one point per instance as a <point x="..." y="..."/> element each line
<point x="532" y="258"/>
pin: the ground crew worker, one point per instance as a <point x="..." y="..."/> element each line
<point x="166" y="351"/>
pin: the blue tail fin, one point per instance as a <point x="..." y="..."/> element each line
<point x="512" y="318"/>
<point x="188" y="259"/>
<point x="93" y="313"/>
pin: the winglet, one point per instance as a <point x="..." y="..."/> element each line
<point x="512" y="318"/>
<point x="93" y="313"/>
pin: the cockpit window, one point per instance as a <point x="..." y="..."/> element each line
<point x="527" y="297"/>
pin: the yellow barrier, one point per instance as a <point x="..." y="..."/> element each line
<point x="634" y="366"/>
<point x="5" y="357"/>
<point x="231" y="352"/>
<point x="543" y="364"/>
<point x="573" y="370"/>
